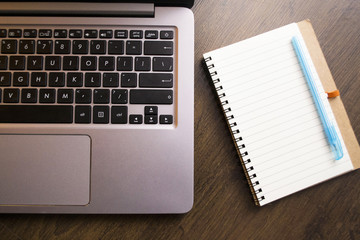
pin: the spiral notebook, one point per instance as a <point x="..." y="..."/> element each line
<point x="272" y="116"/>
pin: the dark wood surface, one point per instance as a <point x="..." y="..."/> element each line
<point x="223" y="207"/>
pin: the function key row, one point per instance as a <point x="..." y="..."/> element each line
<point x="89" y="33"/>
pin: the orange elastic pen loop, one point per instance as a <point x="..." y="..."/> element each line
<point x="333" y="94"/>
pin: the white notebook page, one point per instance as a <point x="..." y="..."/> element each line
<point x="274" y="111"/>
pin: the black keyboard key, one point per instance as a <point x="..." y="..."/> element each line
<point x="35" y="63"/>
<point x="116" y="47"/>
<point x="65" y="96"/>
<point x="29" y="95"/>
<point x="151" y="96"/>
<point x="166" y="119"/>
<point x="3" y="33"/>
<point x="156" y="80"/>
<point x="106" y="34"/>
<point x="71" y="63"/>
<point x="5" y="78"/>
<point x="56" y="79"/>
<point x="21" y="79"/>
<point x="80" y="47"/>
<point x="88" y="63"/>
<point x="52" y="63"/>
<point x="107" y="63"/>
<point x="163" y="64"/>
<point x="3" y="62"/>
<point x="15" y="33"/>
<point x="151" y="34"/>
<point x="158" y="48"/>
<point x="128" y="80"/>
<point x="151" y="110"/>
<point x="136" y="34"/>
<point x="60" y="33"/>
<point x="44" y="46"/>
<point x="151" y="119"/>
<point x="166" y="34"/>
<point x="110" y="79"/>
<point x="62" y="46"/>
<point x="142" y="64"/>
<point x="38" y="79"/>
<point x="75" y="33"/>
<point x="101" y="114"/>
<point x="101" y="96"/>
<point x="47" y="95"/>
<point x="98" y="47"/>
<point x="135" y="119"/>
<point x="119" y="96"/>
<point x="124" y="63"/>
<point x="30" y="33"/>
<point x="27" y="46"/>
<point x="8" y="46"/>
<point x="36" y="114"/>
<point x="45" y="33"/>
<point x="133" y="47"/>
<point x="82" y="114"/>
<point x="119" y="114"/>
<point x="91" y="33"/>
<point x="11" y="95"/>
<point x="92" y="79"/>
<point x="83" y="95"/>
<point x="17" y="63"/>
<point x="74" y="79"/>
<point x="121" y="33"/>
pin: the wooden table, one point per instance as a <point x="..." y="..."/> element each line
<point x="223" y="206"/>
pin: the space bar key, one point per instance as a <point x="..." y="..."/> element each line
<point x="36" y="114"/>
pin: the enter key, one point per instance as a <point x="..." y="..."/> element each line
<point x="156" y="80"/>
<point x="158" y="48"/>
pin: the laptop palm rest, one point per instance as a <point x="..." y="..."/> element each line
<point x="45" y="169"/>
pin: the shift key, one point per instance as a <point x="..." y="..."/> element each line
<point x="151" y="96"/>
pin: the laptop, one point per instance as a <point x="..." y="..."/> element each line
<point x="96" y="107"/>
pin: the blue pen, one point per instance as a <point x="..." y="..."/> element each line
<point x="329" y="128"/>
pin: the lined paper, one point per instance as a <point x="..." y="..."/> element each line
<point x="274" y="111"/>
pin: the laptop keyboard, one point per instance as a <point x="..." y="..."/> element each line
<point x="87" y="75"/>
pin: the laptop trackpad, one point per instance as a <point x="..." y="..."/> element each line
<point x="44" y="169"/>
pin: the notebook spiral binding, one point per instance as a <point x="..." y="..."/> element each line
<point x="241" y="147"/>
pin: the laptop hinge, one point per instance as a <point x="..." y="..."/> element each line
<point x="78" y="9"/>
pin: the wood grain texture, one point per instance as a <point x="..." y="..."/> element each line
<point x="223" y="206"/>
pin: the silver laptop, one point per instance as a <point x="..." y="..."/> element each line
<point x="96" y="107"/>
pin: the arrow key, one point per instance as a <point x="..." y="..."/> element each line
<point x="151" y="110"/>
<point x="151" y="119"/>
<point x="166" y="119"/>
<point x="136" y="119"/>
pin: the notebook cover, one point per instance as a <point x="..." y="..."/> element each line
<point x="328" y="83"/>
